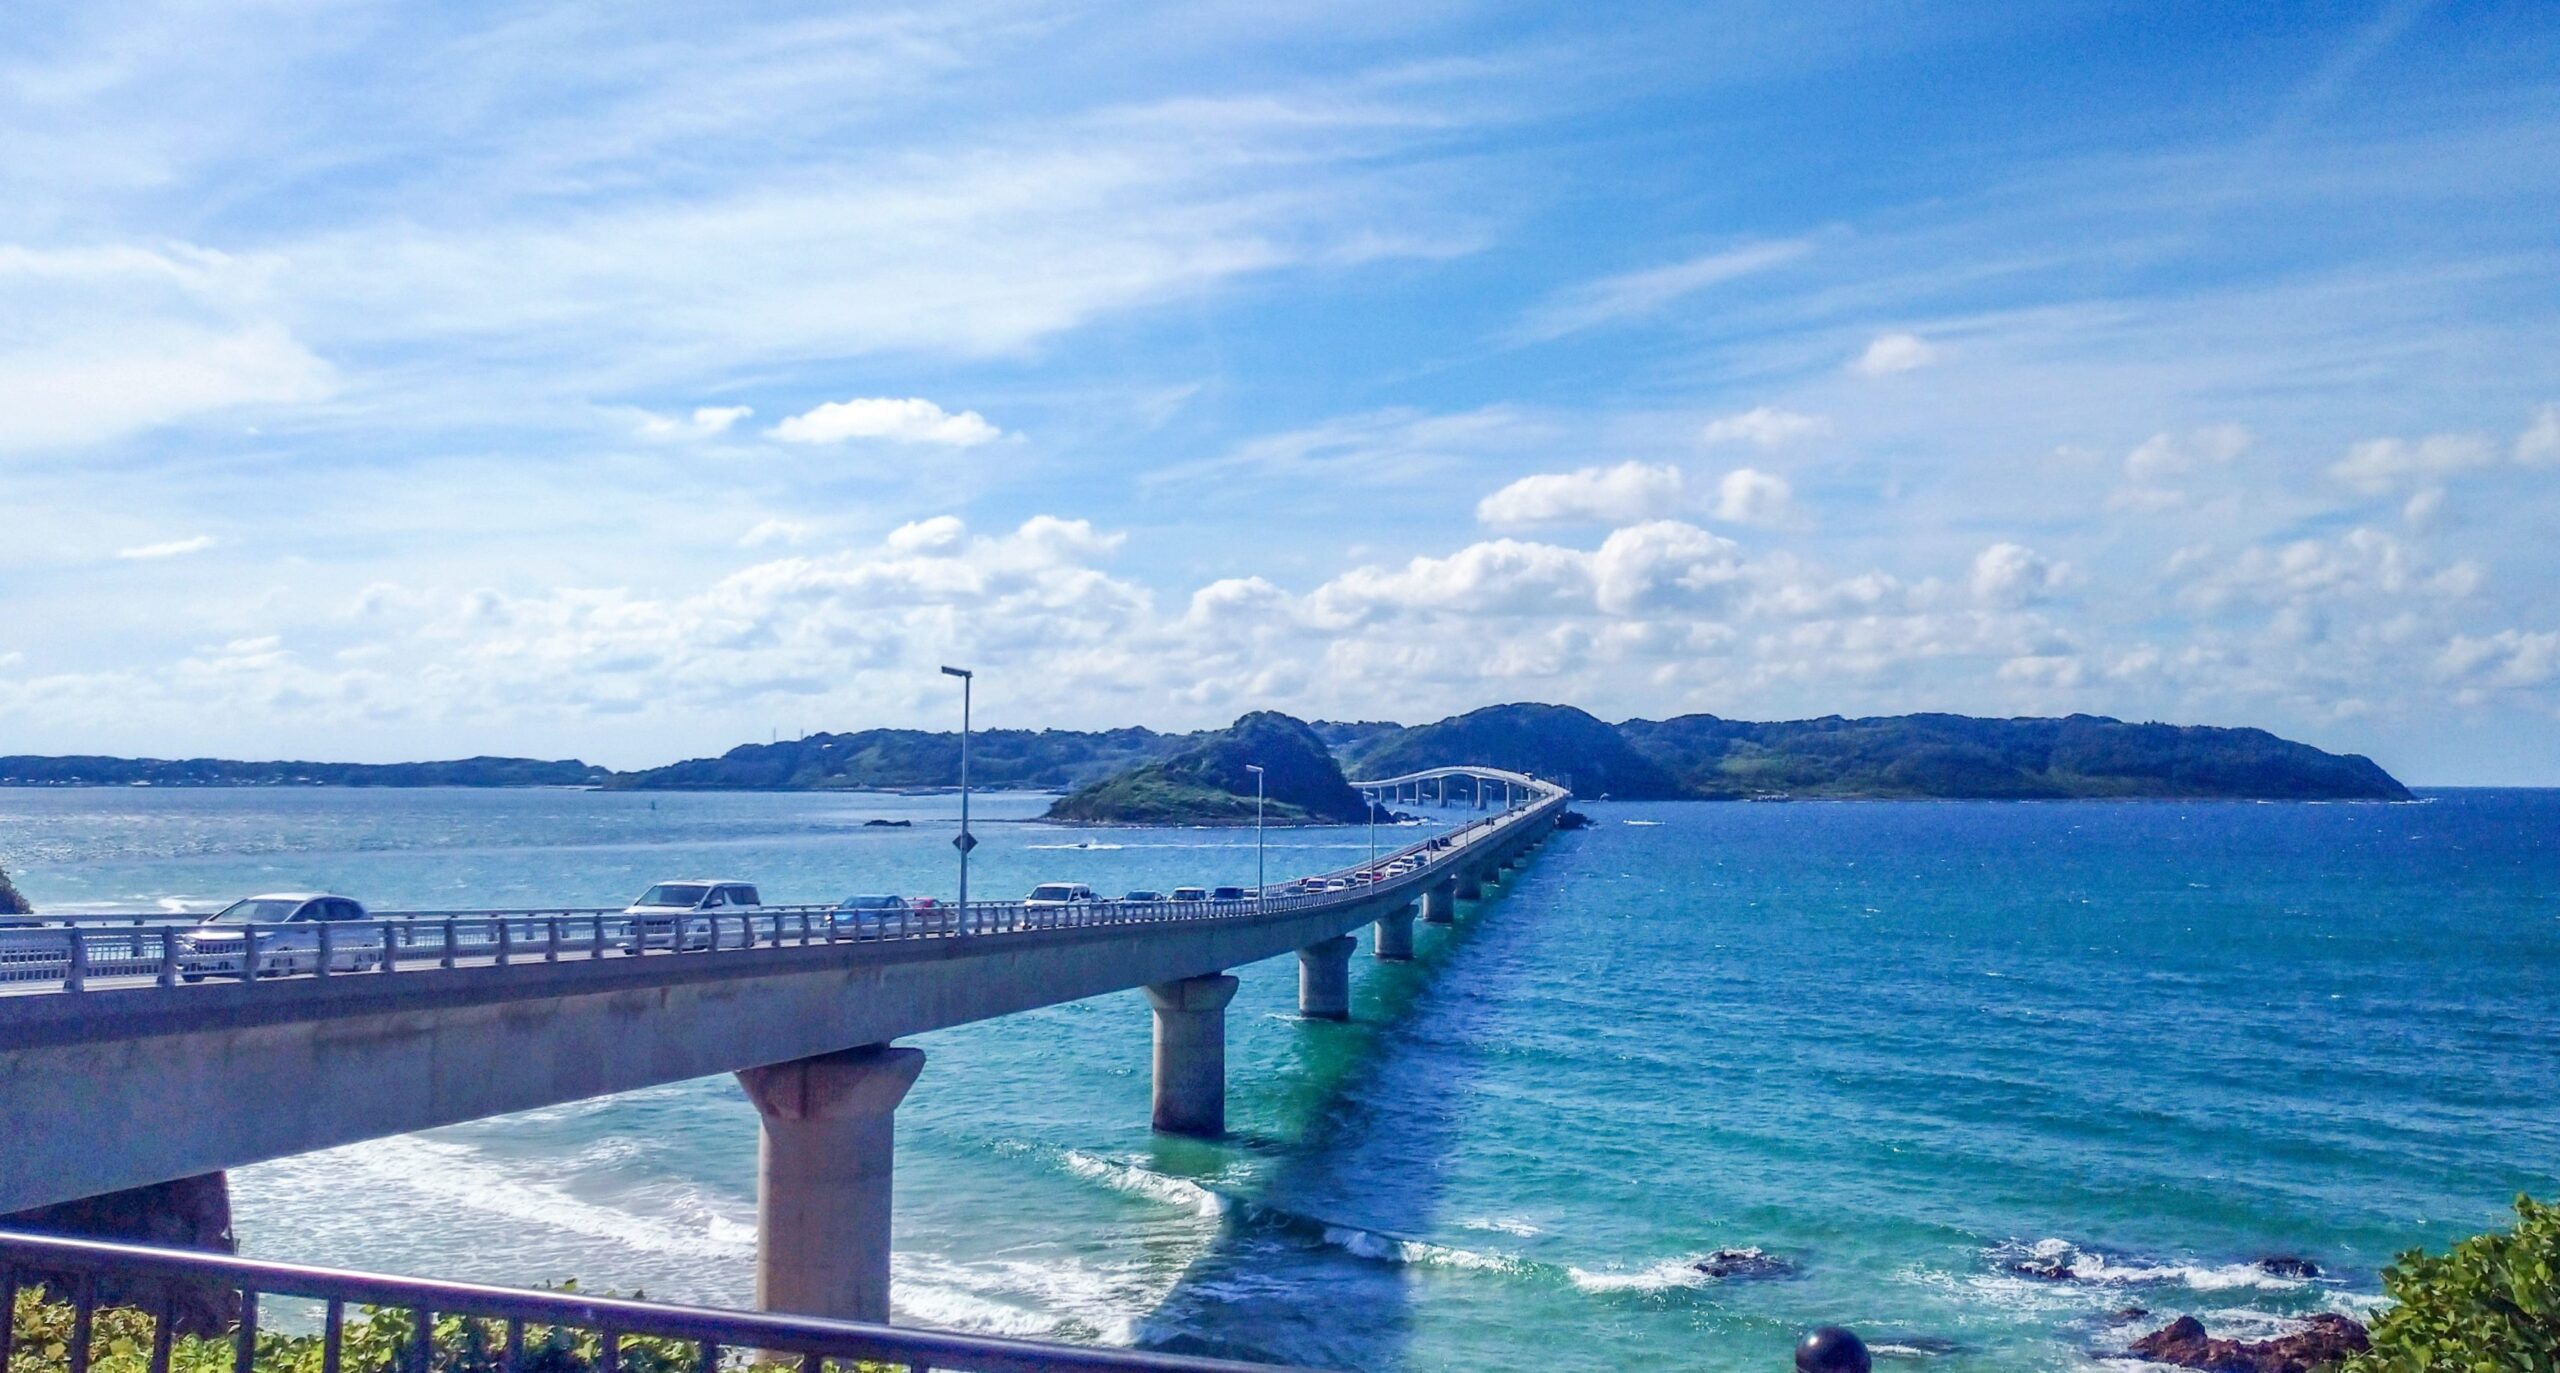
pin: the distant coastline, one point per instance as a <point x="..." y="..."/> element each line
<point x="1691" y="757"/>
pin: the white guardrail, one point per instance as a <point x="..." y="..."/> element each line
<point x="75" y="954"/>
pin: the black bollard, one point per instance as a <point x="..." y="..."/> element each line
<point x="1832" y="1349"/>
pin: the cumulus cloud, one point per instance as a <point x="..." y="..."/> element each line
<point x="175" y="548"/>
<point x="1628" y="491"/>
<point x="2361" y="564"/>
<point x="2378" y="465"/>
<point x="2166" y="455"/>
<point x="1750" y="496"/>
<point x="2540" y="442"/>
<point x="911" y="420"/>
<point x="1892" y="354"/>
<point x="703" y="423"/>
<point x="2011" y="575"/>
<point x="1764" y="427"/>
<point x="2508" y="659"/>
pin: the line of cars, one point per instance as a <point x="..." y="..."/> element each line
<point x="690" y="913"/>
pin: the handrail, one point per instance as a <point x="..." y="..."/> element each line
<point x="28" y="1258"/>
<point x="69" y="958"/>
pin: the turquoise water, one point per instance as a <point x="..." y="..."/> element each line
<point x="1900" y="1046"/>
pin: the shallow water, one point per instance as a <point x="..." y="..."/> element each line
<point x="1900" y="1046"/>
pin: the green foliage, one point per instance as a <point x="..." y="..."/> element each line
<point x="1560" y="742"/>
<point x="2490" y="1305"/>
<point x="11" y="903"/>
<point x="1207" y="783"/>
<point x="376" y="1340"/>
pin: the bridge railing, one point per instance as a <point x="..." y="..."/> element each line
<point x="82" y="957"/>
<point x="507" y="1329"/>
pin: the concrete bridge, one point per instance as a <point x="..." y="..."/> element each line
<point x="116" y="1070"/>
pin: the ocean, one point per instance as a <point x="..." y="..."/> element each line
<point x="1906" y="1050"/>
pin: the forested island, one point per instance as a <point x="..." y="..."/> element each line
<point x="1210" y="782"/>
<point x="1142" y="773"/>
<point x="22" y="770"/>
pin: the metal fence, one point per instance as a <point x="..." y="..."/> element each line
<point x="450" y="1327"/>
<point x="81" y="957"/>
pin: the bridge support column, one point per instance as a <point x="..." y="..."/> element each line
<point x="822" y="1179"/>
<point x="1191" y="1054"/>
<point x="1324" y="978"/>
<point x="1469" y="886"/>
<point x="1394" y="935"/>
<point x="1440" y="904"/>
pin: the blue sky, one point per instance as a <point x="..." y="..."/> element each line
<point x="385" y="381"/>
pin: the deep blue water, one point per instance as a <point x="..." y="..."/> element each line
<point x="1899" y="1045"/>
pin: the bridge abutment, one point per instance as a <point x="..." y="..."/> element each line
<point x="1324" y="978"/>
<point x="1394" y="935"/>
<point x="1191" y="1054"/>
<point x="1440" y="904"/>
<point x="823" y="1179"/>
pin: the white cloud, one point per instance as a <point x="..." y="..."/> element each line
<point x="1635" y="294"/>
<point x="941" y="534"/>
<point x="2508" y="659"/>
<point x="1892" y="354"/>
<point x="899" y="421"/>
<point x="1764" y="427"/>
<point x="1628" y="491"/>
<point x="2011" y="575"/>
<point x="703" y="423"/>
<point x="2361" y="564"/>
<point x="2167" y="455"/>
<point x="2540" y="442"/>
<point x="775" y="531"/>
<point x="2377" y="465"/>
<point x="1750" y="496"/>
<point x="175" y="548"/>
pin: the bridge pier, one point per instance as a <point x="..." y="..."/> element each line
<point x="823" y="1179"/>
<point x="1468" y="886"/>
<point x="1440" y="904"/>
<point x="1324" y="978"/>
<point x="1191" y="1054"/>
<point x="1394" y="935"/>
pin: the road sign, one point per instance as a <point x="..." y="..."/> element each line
<point x="965" y="842"/>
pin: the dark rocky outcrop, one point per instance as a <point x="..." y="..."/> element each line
<point x="189" y="1213"/>
<point x="2324" y="1340"/>
<point x="1753" y="1262"/>
<point x="2288" y="1266"/>
<point x="1208" y="784"/>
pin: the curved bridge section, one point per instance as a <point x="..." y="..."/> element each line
<point x="116" y="1070"/>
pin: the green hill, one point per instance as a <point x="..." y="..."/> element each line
<point x="1958" y="756"/>
<point x="1206" y="783"/>
<point x="1559" y="742"/>
<point x="24" y="770"/>
<point x="1037" y="760"/>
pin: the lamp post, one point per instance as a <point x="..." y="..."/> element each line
<point x="966" y="841"/>
<point x="1373" y="834"/>
<point x="1256" y="770"/>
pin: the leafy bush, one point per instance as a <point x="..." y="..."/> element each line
<point x="10" y="902"/>
<point x="377" y="1340"/>
<point x="2491" y="1305"/>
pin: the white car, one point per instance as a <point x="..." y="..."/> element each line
<point x="289" y="926"/>
<point x="682" y="914"/>
<point x="1052" y="894"/>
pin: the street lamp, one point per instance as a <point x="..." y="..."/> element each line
<point x="1373" y="834"/>
<point x="966" y="841"/>
<point x="1256" y="770"/>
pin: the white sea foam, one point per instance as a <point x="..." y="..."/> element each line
<point x="2082" y="1265"/>
<point x="1668" y="1275"/>
<point x="1128" y="1177"/>
<point x="1648" y="824"/>
<point x="1369" y="1244"/>
<point x="1503" y="1224"/>
<point x="683" y="1220"/>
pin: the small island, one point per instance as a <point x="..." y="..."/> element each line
<point x="1208" y="782"/>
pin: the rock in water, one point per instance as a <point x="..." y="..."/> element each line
<point x="1745" y="1263"/>
<point x="189" y="1213"/>
<point x="2324" y="1339"/>
<point x="2288" y="1266"/>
